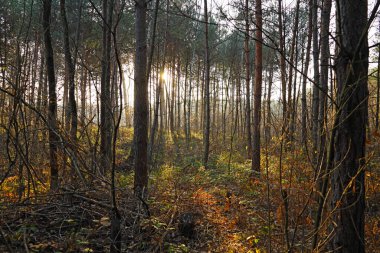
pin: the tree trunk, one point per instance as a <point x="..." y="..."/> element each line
<point x="126" y="106"/>
<point x="325" y="55"/>
<point x="257" y="89"/>
<point x="377" y="90"/>
<point x="282" y="68"/>
<point x="348" y="186"/>
<point x="293" y="62"/>
<point x="206" y="123"/>
<point x="52" y="111"/>
<point x="105" y="86"/>
<point x="83" y="95"/>
<point x="306" y="68"/>
<point x="178" y="95"/>
<point x="315" y="103"/>
<point x="141" y="102"/>
<point x="247" y="82"/>
<point x="269" y="111"/>
<point x="185" y="99"/>
<point x="197" y="99"/>
<point x="173" y="95"/>
<point x="188" y="133"/>
<point x="71" y="105"/>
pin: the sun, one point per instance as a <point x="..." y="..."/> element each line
<point x="165" y="75"/>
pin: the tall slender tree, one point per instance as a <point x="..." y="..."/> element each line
<point x="105" y="86"/>
<point x="293" y="62"/>
<point x="206" y="122"/>
<point x="322" y="149"/>
<point x="52" y="111"/>
<point x="306" y="68"/>
<point x="377" y="88"/>
<point x="72" y="105"/>
<point x="257" y="87"/>
<point x="247" y="81"/>
<point x="315" y="103"/>
<point x="282" y="67"/>
<point x="141" y="107"/>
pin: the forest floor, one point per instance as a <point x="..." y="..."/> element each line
<point x="230" y="210"/>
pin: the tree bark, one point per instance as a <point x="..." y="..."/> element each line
<point x="52" y="111"/>
<point x="377" y="90"/>
<point x="141" y="102"/>
<point x="206" y="129"/>
<point x="247" y="82"/>
<point x="348" y="186"/>
<point x="293" y="62"/>
<point x="83" y="95"/>
<point x="282" y="68"/>
<point x="315" y="103"/>
<point x="306" y="69"/>
<point x="257" y="89"/>
<point x="105" y="95"/>
<point x="268" y="133"/>
<point x="72" y="105"/>
<point x="325" y="55"/>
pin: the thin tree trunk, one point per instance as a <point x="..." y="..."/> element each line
<point x="322" y="149"/>
<point x="325" y="55"/>
<point x="52" y="112"/>
<point x="197" y="99"/>
<point x="83" y="95"/>
<point x="315" y="104"/>
<point x="185" y="99"/>
<point x="247" y="82"/>
<point x="141" y="102"/>
<point x="188" y="134"/>
<point x="257" y="88"/>
<point x="178" y="95"/>
<point x="105" y="96"/>
<point x="292" y="63"/>
<point x="282" y="68"/>
<point x="378" y="89"/>
<point x="172" y="101"/>
<point x="126" y="106"/>
<point x="305" y="72"/>
<point x="72" y="105"/>
<point x="206" y="130"/>
<point x="269" y="110"/>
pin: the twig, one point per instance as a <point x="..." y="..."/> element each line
<point x="7" y="244"/>
<point x="162" y="238"/>
<point x="24" y="240"/>
<point x="93" y="201"/>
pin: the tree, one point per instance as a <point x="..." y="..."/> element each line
<point x="140" y="121"/>
<point x="52" y="111"/>
<point x="247" y="81"/>
<point x="377" y="89"/>
<point x="325" y="54"/>
<point x="72" y="105"/>
<point x="348" y="186"/>
<point x="105" y="96"/>
<point x="257" y="88"/>
<point x="206" y="123"/>
<point x="315" y="103"/>
<point x="306" y="68"/>
<point x="292" y="62"/>
<point x="282" y="68"/>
